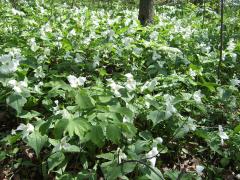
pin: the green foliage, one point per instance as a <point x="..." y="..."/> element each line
<point x="88" y="93"/>
<point x="37" y="141"/>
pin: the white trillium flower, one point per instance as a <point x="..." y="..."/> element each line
<point x="18" y="87"/>
<point x="137" y="51"/>
<point x="197" y="96"/>
<point x="150" y="85"/>
<point x="75" y="82"/>
<point x="127" y="41"/>
<point x="67" y="55"/>
<point x="37" y="87"/>
<point x="63" y="145"/>
<point x="46" y="28"/>
<point x="235" y="82"/>
<point x="231" y="45"/>
<point x="126" y="119"/>
<point x="56" y="109"/>
<point x="26" y="129"/>
<point x="32" y="43"/>
<point x="13" y="132"/>
<point x="131" y="83"/>
<point x="192" y="73"/>
<point x="189" y="125"/>
<point x="154" y="35"/>
<point x="47" y="51"/>
<point x="115" y="87"/>
<point x="5" y="58"/>
<point x="152" y="156"/>
<point x="222" y="134"/>
<point x="156" y="56"/>
<point x="170" y="109"/>
<point x="238" y="176"/>
<point x="159" y="140"/>
<point x="72" y="33"/>
<point x="17" y="12"/>
<point x="234" y="57"/>
<point x="39" y="72"/>
<point x="199" y="169"/>
<point x="9" y="64"/>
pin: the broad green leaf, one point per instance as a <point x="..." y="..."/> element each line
<point x="224" y="161"/>
<point x="97" y="136"/>
<point x="72" y="148"/>
<point x="156" y="117"/>
<point x="76" y="126"/>
<point x="16" y="101"/>
<point x="156" y="174"/>
<point x="129" y="129"/>
<point x="83" y="100"/>
<point x="67" y="44"/>
<point x="55" y="160"/>
<point x="3" y="155"/>
<point x="237" y="128"/>
<point x="108" y="156"/>
<point x="44" y="127"/>
<point x="114" y="170"/>
<point x="37" y="141"/>
<point x="60" y="128"/>
<point x="29" y="114"/>
<point x="113" y="133"/>
<point x="104" y="99"/>
<point x="121" y="110"/>
<point x="57" y="85"/>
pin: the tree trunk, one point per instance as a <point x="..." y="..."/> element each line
<point x="146" y="12"/>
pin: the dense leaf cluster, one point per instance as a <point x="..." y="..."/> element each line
<point x="91" y="93"/>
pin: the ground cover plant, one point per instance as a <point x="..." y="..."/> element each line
<point x="89" y="93"/>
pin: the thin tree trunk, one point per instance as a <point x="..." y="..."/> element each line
<point x="146" y="12"/>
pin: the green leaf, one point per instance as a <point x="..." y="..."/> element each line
<point x="224" y="161"/>
<point x="156" y="117"/>
<point x="209" y="85"/>
<point x="121" y="110"/>
<point x="76" y="126"/>
<point x="3" y="155"/>
<point x="97" y="136"/>
<point x="107" y="156"/>
<point x="55" y="160"/>
<point x="44" y="127"/>
<point x="16" y="101"/>
<point x="156" y="175"/>
<point x="237" y="129"/>
<point x="83" y="100"/>
<point x="72" y="148"/>
<point x="112" y="170"/>
<point x="113" y="133"/>
<point x="37" y="141"/>
<point x="105" y="99"/>
<point x="60" y="128"/>
<point x="29" y="115"/>
<point x="67" y="44"/>
<point x="129" y="129"/>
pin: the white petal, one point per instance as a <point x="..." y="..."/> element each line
<point x="30" y="127"/>
<point x="21" y="127"/>
<point x="159" y="140"/>
<point x="199" y="169"/>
